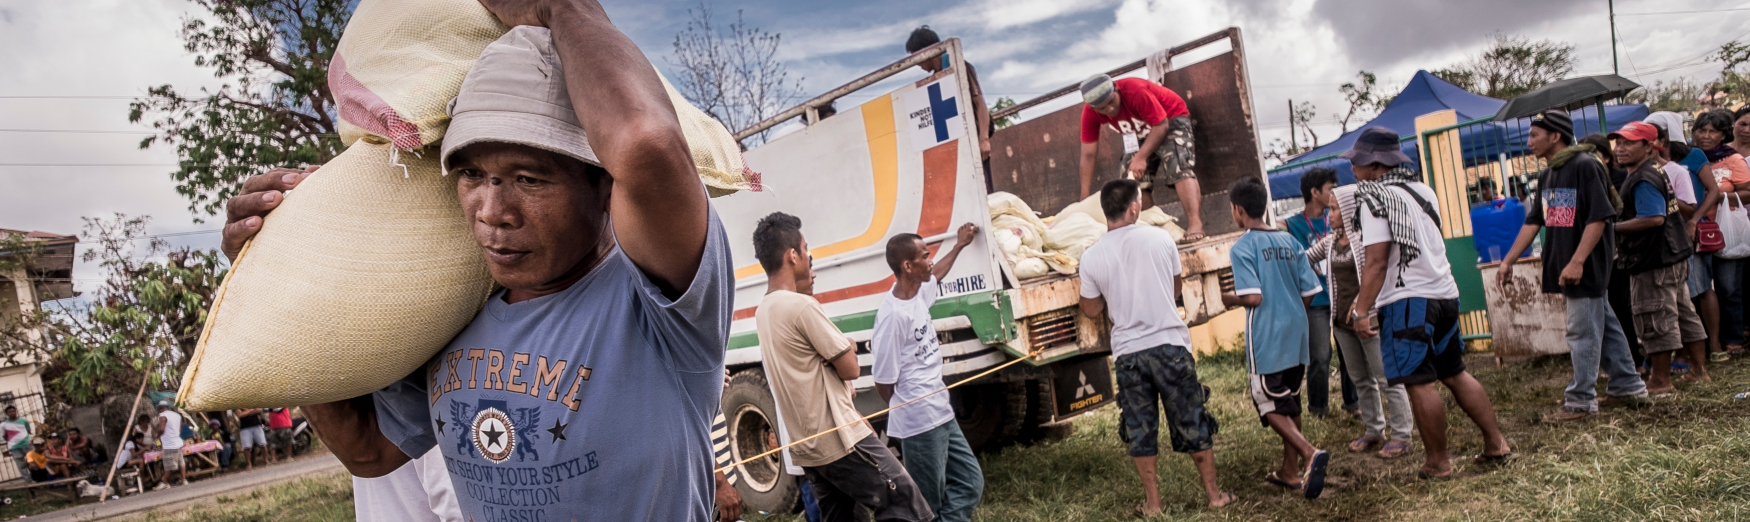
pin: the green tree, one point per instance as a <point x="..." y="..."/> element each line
<point x="273" y="108"/>
<point x="1004" y="102"/>
<point x="1679" y="95"/>
<point x="1732" y="81"/>
<point x="144" y="321"/>
<point x="1363" y="98"/>
<point x="1511" y="66"/>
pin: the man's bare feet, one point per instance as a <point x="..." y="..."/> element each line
<point x="1194" y="233"/>
<point x="1222" y="501"/>
<point x="1142" y="510"/>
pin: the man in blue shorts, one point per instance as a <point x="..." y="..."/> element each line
<point x="1405" y="274"/>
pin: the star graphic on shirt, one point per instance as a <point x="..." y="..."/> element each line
<point x="558" y="431"/>
<point x="492" y="434"/>
<point x="440" y="423"/>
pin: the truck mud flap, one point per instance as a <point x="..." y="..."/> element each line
<point x="1082" y="385"/>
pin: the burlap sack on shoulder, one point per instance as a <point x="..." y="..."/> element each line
<point x="368" y="268"/>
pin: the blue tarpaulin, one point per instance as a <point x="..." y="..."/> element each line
<point x="1427" y="93"/>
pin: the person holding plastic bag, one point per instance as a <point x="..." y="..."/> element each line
<point x="1726" y="167"/>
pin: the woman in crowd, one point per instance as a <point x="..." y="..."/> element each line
<point x="1726" y="167"/>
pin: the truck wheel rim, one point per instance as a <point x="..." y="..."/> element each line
<point x="748" y="437"/>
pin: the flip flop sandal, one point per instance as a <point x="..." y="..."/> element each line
<point x="1492" y="460"/>
<point x="1139" y="513"/>
<point x="1394" y="449"/>
<point x="1314" y="483"/>
<point x="1362" y="444"/>
<point x="1231" y="499"/>
<point x="1192" y="238"/>
<point x="1425" y="475"/>
<point x="1276" y="479"/>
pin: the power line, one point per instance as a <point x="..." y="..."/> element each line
<point x="88" y="164"/>
<point x="1658" y="13"/>
<point x="76" y="131"/>
<point x="31" y="97"/>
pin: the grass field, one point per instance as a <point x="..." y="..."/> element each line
<point x="1683" y="459"/>
<point x="320" y="498"/>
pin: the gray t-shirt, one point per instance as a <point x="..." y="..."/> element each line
<point x="591" y="404"/>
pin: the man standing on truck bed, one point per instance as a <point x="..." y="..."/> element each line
<point x="908" y="367"/>
<point x="924" y="37"/>
<point x="1158" y="147"/>
<point x="595" y="372"/>
<point x="811" y="366"/>
<point x="1134" y="270"/>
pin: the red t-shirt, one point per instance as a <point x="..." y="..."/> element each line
<point x="279" y="419"/>
<point x="1141" y="104"/>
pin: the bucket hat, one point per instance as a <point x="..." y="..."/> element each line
<point x="1376" y="145"/>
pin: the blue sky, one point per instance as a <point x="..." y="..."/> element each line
<point x="1299" y="49"/>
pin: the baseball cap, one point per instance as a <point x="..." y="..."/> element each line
<point x="1640" y="131"/>
<point x="516" y="94"/>
<point x="1097" y="89"/>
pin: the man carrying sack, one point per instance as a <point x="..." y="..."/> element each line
<point x="585" y="388"/>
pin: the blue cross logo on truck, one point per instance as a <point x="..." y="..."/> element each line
<point x="941" y="109"/>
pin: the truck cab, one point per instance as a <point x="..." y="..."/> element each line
<point x="906" y="160"/>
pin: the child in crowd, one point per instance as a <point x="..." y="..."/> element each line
<point x="1274" y="282"/>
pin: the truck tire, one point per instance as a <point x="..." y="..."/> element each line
<point x="1038" y="412"/>
<point x="751" y="414"/>
<point x="990" y="415"/>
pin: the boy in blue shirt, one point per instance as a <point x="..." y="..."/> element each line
<point x="1274" y="282"/>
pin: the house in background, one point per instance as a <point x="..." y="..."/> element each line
<point x="23" y="290"/>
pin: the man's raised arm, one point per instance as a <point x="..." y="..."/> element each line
<point x="658" y="204"/>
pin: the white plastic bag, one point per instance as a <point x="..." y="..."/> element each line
<point x="1735" y="229"/>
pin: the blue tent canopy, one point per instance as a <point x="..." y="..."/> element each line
<point x="1427" y="93"/>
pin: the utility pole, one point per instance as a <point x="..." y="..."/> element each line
<point x="1614" y="67"/>
<point x="1293" y="143"/>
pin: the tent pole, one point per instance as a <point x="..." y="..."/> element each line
<point x="126" y="435"/>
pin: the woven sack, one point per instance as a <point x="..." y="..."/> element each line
<point x="362" y="274"/>
<point x="399" y="63"/>
<point x="715" y="152"/>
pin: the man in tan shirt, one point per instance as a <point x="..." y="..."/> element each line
<point x="811" y="365"/>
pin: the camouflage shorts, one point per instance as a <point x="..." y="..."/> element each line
<point x="1174" y="161"/>
<point x="1163" y="375"/>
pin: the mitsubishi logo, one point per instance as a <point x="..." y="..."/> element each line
<point x="1085" y="389"/>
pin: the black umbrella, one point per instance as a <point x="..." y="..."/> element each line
<point x="1569" y="94"/>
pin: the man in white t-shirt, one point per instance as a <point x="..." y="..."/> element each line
<point x="418" y="491"/>
<point x="908" y="367"/>
<point x="1404" y="272"/>
<point x="1134" y="271"/>
<point x="168" y="426"/>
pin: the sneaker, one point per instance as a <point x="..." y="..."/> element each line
<point x="1567" y="414"/>
<point x="1629" y="401"/>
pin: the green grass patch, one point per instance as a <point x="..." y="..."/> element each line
<point x="320" y="498"/>
<point x="1681" y="459"/>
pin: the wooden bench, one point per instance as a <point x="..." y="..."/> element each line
<point x="64" y="489"/>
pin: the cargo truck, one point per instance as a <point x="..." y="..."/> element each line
<point x="906" y="160"/>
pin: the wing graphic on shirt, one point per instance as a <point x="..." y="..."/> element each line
<point x="462" y="415"/>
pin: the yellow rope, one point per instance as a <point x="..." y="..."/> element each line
<point x="737" y="464"/>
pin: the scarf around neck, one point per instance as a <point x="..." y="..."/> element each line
<point x="1719" y="153"/>
<point x="1375" y="197"/>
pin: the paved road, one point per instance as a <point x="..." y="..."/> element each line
<point x="194" y="491"/>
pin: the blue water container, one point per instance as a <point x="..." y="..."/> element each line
<point x="1494" y="226"/>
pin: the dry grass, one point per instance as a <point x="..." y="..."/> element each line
<point x="320" y="498"/>
<point x="1683" y="459"/>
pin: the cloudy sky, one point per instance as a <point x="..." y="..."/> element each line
<point x="73" y="65"/>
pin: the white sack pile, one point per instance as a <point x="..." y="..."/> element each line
<point x="1036" y="247"/>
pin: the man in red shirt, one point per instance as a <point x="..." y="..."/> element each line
<point x="1158" y="146"/>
